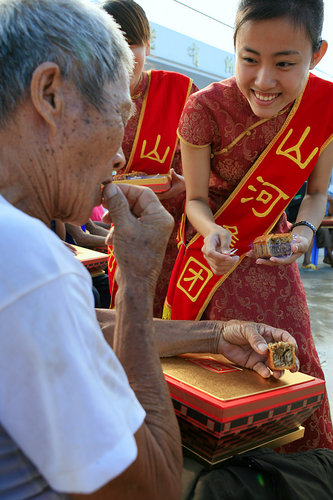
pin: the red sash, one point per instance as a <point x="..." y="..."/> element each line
<point x="156" y="138"/>
<point x="256" y="204"/>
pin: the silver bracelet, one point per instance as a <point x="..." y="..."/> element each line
<point x="305" y="223"/>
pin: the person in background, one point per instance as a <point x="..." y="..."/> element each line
<point x="323" y="237"/>
<point x="150" y="141"/>
<point x="324" y="234"/>
<point x="78" y="419"/>
<point x="88" y="235"/>
<point x="97" y="213"/>
<point x="248" y="144"/>
<point x="307" y="256"/>
<point x="92" y="235"/>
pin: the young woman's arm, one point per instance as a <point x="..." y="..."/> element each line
<point x="196" y="168"/>
<point x="313" y="206"/>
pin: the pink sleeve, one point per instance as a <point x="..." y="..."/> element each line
<point x="97" y="212"/>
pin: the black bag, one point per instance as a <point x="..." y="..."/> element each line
<point x="262" y="474"/>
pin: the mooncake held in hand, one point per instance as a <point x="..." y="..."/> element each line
<point x="273" y="245"/>
<point x="281" y="356"/>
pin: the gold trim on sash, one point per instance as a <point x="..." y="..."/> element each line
<point x="326" y="143"/>
<point x="214" y="288"/>
<point x="190" y="83"/>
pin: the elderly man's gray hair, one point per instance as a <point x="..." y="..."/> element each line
<point x="77" y="35"/>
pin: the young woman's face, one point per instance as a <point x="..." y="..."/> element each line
<point x="140" y="52"/>
<point x="273" y="59"/>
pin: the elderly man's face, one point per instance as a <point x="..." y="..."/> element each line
<point x="91" y="149"/>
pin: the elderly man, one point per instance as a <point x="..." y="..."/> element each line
<point x="76" y="416"/>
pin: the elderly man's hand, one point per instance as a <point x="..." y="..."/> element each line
<point x="141" y="230"/>
<point x="245" y="343"/>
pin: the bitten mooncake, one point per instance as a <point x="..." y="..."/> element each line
<point x="281" y="356"/>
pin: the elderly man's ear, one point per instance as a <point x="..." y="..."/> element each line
<point x="47" y="94"/>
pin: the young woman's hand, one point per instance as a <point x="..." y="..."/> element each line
<point x="177" y="186"/>
<point x="217" y="252"/>
<point x="299" y="246"/>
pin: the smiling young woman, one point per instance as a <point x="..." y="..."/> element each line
<point x="248" y="144"/>
<point x="274" y="73"/>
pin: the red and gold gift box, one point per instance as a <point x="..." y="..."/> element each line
<point x="223" y="409"/>
<point x="94" y="261"/>
<point x="158" y="183"/>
